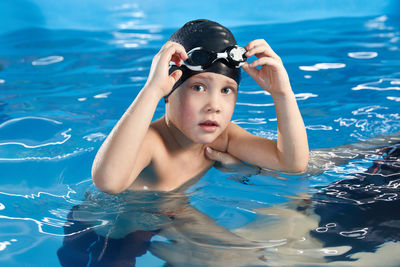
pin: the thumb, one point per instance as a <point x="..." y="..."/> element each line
<point x="175" y="76"/>
<point x="250" y="70"/>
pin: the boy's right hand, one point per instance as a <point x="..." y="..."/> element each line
<point x="159" y="77"/>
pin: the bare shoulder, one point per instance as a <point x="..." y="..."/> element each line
<point x="154" y="139"/>
<point x="157" y="139"/>
<point x="152" y="147"/>
<point x="157" y="132"/>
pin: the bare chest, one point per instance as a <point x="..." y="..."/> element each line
<point x="168" y="173"/>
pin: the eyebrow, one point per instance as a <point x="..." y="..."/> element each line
<point x="232" y="84"/>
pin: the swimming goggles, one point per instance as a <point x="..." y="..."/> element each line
<point x="199" y="59"/>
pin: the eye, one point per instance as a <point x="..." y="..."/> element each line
<point x="227" y="90"/>
<point x="198" y="88"/>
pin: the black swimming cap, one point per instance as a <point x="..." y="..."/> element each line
<point x="211" y="36"/>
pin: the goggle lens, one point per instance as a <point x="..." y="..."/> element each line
<point x="200" y="57"/>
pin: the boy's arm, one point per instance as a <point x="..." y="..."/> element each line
<point x="290" y="152"/>
<point x="128" y="148"/>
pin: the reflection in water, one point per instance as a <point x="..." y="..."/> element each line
<point x="82" y="246"/>
<point x="349" y="217"/>
<point x="116" y="231"/>
<point x="362" y="207"/>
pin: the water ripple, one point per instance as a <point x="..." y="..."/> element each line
<point x="95" y="137"/>
<point x="383" y="84"/>
<point x="369" y="110"/>
<point x="49" y="158"/>
<point x="250" y="121"/>
<point x="323" y="66"/>
<point x="4" y="244"/>
<point x="378" y="23"/>
<point x="254" y="104"/>
<point x="363" y="55"/>
<point x="259" y="92"/>
<point x="359" y="234"/>
<point x="47" y="60"/>
<point x="28" y="132"/>
<point x="103" y="95"/>
<point x="319" y="127"/>
<point x="304" y="96"/>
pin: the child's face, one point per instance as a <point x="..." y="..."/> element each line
<point x="202" y="107"/>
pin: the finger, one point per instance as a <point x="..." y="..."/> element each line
<point x="213" y="154"/>
<point x="264" y="61"/>
<point x="165" y="47"/>
<point x="261" y="51"/>
<point x="180" y="50"/>
<point x="254" y="43"/>
<point x="261" y="43"/>
<point x="256" y="50"/>
<point x="177" y="60"/>
<point x="172" y="52"/>
<point x="253" y="72"/>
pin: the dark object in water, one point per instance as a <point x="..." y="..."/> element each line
<point x="362" y="212"/>
<point x="83" y="247"/>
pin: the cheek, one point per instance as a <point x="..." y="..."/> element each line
<point x="229" y="108"/>
<point x="188" y="110"/>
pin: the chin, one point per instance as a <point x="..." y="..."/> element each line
<point x="205" y="140"/>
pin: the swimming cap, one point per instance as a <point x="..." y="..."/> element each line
<point x="211" y="36"/>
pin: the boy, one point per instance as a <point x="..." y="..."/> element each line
<point x="197" y="71"/>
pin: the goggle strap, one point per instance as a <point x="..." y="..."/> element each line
<point x="193" y="68"/>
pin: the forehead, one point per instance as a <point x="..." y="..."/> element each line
<point x="212" y="77"/>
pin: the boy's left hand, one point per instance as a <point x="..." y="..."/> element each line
<point x="230" y="163"/>
<point x="272" y="75"/>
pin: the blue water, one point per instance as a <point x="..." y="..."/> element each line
<point x="62" y="91"/>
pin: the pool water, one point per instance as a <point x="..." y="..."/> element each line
<point x="62" y="91"/>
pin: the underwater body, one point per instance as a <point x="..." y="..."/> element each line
<point x="62" y="91"/>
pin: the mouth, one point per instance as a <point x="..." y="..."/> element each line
<point x="209" y="126"/>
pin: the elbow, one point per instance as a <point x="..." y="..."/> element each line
<point x="296" y="166"/>
<point x="103" y="183"/>
<point x="107" y="189"/>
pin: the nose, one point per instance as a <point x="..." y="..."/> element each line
<point x="213" y="104"/>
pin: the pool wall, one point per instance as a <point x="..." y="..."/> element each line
<point x="122" y="14"/>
